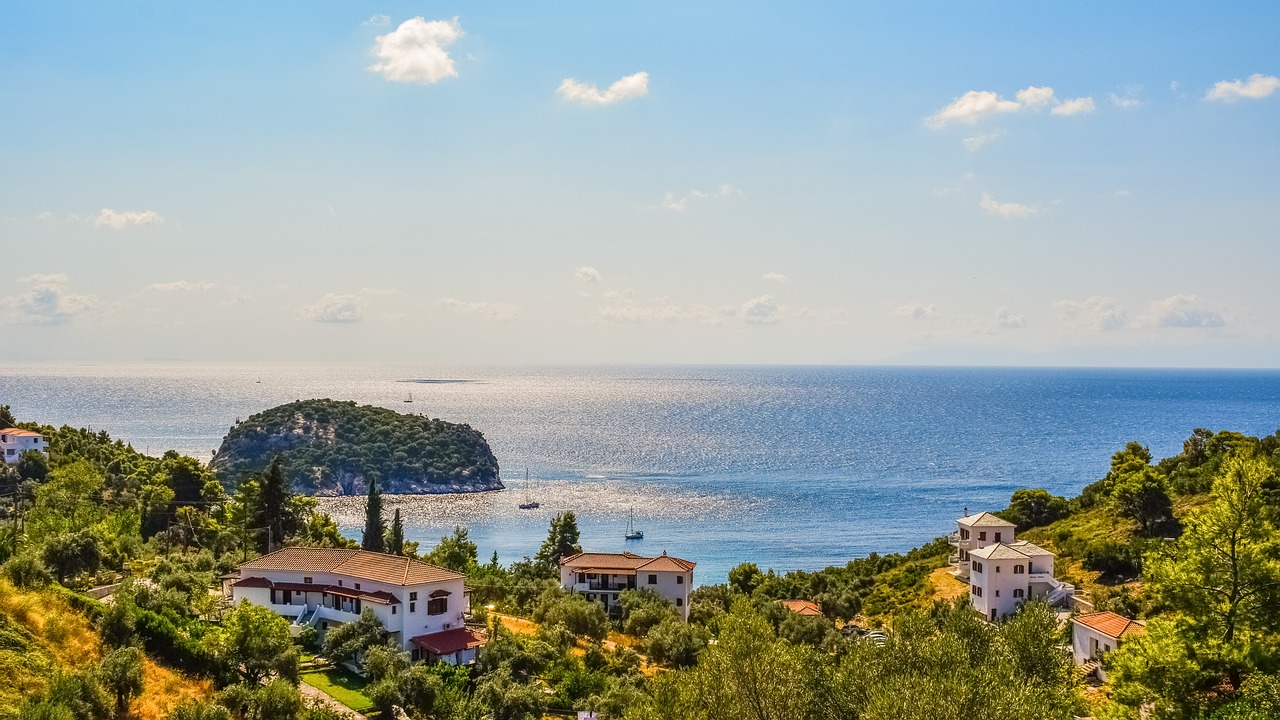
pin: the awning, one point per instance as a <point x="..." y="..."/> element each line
<point x="449" y="641"/>
<point x="440" y="594"/>
<point x="382" y="597"/>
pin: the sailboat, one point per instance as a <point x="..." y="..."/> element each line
<point x="528" y="504"/>
<point x="410" y="398"/>
<point x="632" y="532"/>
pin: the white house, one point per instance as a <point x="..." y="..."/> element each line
<point x="1002" y="571"/>
<point x="601" y="576"/>
<point x="15" y="441"/>
<point x="421" y="606"/>
<point x="1095" y="634"/>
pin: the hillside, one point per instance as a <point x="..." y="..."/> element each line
<point x="329" y="447"/>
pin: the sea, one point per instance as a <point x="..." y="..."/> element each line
<point x="792" y="468"/>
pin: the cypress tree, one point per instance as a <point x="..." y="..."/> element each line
<point x="395" y="535"/>
<point x="275" y="504"/>
<point x="374" y="525"/>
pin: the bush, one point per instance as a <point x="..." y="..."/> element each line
<point x="27" y="572"/>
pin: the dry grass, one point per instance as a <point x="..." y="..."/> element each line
<point x="945" y="586"/>
<point x="163" y="690"/>
<point x="58" y="629"/>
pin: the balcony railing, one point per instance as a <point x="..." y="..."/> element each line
<point x="601" y="586"/>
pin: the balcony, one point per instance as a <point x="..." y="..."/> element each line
<point x="955" y="541"/>
<point x="601" y="586"/>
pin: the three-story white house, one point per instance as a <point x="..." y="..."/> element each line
<point x="15" y="441"/>
<point x="1002" y="571"/>
<point x="602" y="576"/>
<point x="422" y="607"/>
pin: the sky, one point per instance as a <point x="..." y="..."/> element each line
<point x="949" y="183"/>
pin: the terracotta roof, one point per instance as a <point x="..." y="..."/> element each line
<point x="801" y="607"/>
<point x="379" y="567"/>
<point x="1020" y="550"/>
<point x="1112" y="625"/>
<point x="626" y="562"/>
<point x="382" y="597"/>
<point x="253" y="582"/>
<point x="984" y="519"/>
<point x="19" y="432"/>
<point x="449" y="641"/>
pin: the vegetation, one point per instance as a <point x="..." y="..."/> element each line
<point x="327" y="446"/>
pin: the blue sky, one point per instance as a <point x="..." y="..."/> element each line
<point x="943" y="183"/>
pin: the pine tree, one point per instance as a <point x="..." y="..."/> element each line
<point x="562" y="541"/>
<point x="276" y="513"/>
<point x="374" y="524"/>
<point x="395" y="535"/>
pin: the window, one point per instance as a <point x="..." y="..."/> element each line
<point x="997" y="593"/>
<point x="1018" y="592"/>
<point x="679" y="579"/>
<point x="964" y="534"/>
<point x="997" y="568"/>
<point x="413" y="607"/>
<point x="339" y="583"/>
<point x="679" y="602"/>
<point x="997" y="537"/>
<point x="393" y="609"/>
<point x="413" y="595"/>
<point x="1017" y="569"/>
<point x="306" y="580"/>
<point x="1106" y="647"/>
<point x="324" y="626"/>
<point x="982" y="535"/>
<point x="437" y="606"/>
<point x="653" y="579"/>
<point x="977" y="590"/>
<point x="357" y="586"/>
<point x="977" y="566"/>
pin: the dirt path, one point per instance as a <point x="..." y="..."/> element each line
<point x="311" y="691"/>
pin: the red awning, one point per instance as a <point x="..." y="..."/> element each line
<point x="449" y="641"/>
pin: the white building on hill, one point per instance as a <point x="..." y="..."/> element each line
<point x="421" y="606"/>
<point x="1002" y="571"/>
<point x="15" y="441"/>
<point x="601" y="576"/>
<point x="1094" y="635"/>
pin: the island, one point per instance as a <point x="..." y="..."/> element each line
<point x="332" y="447"/>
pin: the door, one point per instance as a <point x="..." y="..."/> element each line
<point x="288" y="597"/>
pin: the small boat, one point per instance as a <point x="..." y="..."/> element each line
<point x="528" y="504"/>
<point x="632" y="532"/>
<point x="410" y="398"/>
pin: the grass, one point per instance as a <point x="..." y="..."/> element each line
<point x="344" y="685"/>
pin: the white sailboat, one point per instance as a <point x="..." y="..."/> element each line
<point x="528" y="504"/>
<point x="632" y="532"/>
<point x="410" y="398"/>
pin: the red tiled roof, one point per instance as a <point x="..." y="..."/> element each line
<point x="449" y="641"/>
<point x="625" y="563"/>
<point x="801" y="607"/>
<point x="1112" y="625"/>
<point x="379" y="567"/>
<point x="19" y="432"/>
<point x="382" y="597"/>
<point x="253" y="582"/>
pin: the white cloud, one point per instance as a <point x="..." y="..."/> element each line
<point x="588" y="274"/>
<point x="1075" y="106"/>
<point x="415" y="51"/>
<point x="180" y="286"/>
<point x="1095" y="313"/>
<point x="46" y="215"/>
<point x="497" y="312"/>
<point x="975" y="142"/>
<point x="119" y="220"/>
<point x="1036" y="97"/>
<point x="918" y="311"/>
<point x="377" y="21"/>
<point x="47" y="302"/>
<point x="762" y="310"/>
<point x="673" y="203"/>
<point x="1256" y="87"/>
<point x="972" y="107"/>
<point x="1003" y="209"/>
<point x="336" y="308"/>
<point x="1010" y="320"/>
<point x="1130" y="100"/>
<point x="834" y="316"/>
<point x="631" y="86"/>
<point x="1182" y="311"/>
<point x="775" y="277"/>
<point x="1122" y="193"/>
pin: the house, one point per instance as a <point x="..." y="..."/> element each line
<point x="422" y="607"/>
<point x="1093" y="635"/>
<point x="802" y="607"/>
<point x="601" y="576"/>
<point x="15" y="441"/>
<point x="1002" y="571"/>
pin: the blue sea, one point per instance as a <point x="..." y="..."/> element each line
<point x="787" y="467"/>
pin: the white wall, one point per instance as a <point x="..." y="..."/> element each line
<point x="998" y="582"/>
<point x="12" y="446"/>
<point x="1083" y="638"/>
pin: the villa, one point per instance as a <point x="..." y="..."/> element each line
<point x="422" y="607"/>
<point x="1003" y="572"/>
<point x="1093" y="635"/>
<point x="601" y="576"/>
<point x="802" y="607"/>
<point x="15" y="441"/>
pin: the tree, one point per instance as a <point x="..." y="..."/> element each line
<point x="675" y="642"/>
<point x="745" y="578"/>
<point x="121" y="674"/>
<point x="7" y="420"/>
<point x="1033" y="508"/>
<point x="353" y="639"/>
<point x="455" y="552"/>
<point x="507" y="699"/>
<point x="70" y="554"/>
<point x="119" y="621"/>
<point x="384" y="695"/>
<point x="1223" y="574"/>
<point x="191" y="710"/>
<point x="375" y="526"/>
<point x="27" y="571"/>
<point x="643" y="609"/>
<point x="256" y="641"/>
<point x="561" y="542"/>
<point x="395" y="535"/>
<point x="33" y="466"/>
<point x="1141" y="496"/>
<point x="384" y="661"/>
<point x="419" y="688"/>
<point x="576" y="613"/>
<point x="276" y="508"/>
